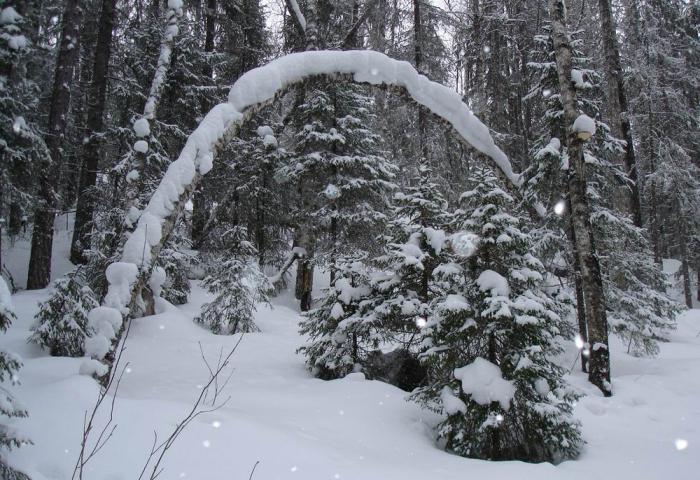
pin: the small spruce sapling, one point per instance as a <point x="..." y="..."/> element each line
<point x="61" y="325"/>
<point x="238" y="284"/>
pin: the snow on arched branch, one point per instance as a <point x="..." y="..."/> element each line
<point x="255" y="88"/>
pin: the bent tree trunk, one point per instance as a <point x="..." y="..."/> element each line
<point x="96" y="105"/>
<point x="39" y="274"/>
<point x="591" y="279"/>
<point x="130" y="275"/>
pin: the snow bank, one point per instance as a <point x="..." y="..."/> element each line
<point x="483" y="381"/>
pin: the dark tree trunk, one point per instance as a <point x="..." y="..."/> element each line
<point x="617" y="98"/>
<point x="578" y="286"/>
<point x="199" y="208"/>
<point x="685" y="268"/>
<point x="592" y="283"/>
<point x="418" y="59"/>
<point x="39" y="274"/>
<point x="95" y="122"/>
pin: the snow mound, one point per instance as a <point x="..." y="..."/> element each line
<point x="483" y="381"/>
<point x="584" y="124"/>
<point x="490" y="281"/>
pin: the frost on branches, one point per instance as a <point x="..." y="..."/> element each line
<point x="238" y="283"/>
<point x="490" y="341"/>
<point x="9" y="366"/>
<point x="340" y="335"/>
<point x="61" y="325"/>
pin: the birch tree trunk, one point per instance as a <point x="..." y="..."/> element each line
<point x="39" y="274"/>
<point x="618" y="106"/>
<point x="591" y="279"/>
<point x="304" y="235"/>
<point x="96" y="104"/>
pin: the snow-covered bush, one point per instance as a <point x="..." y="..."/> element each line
<point x="239" y="285"/>
<point x="61" y="325"/>
<point x="490" y="341"/>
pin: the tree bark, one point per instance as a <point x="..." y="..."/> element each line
<point x="578" y="286"/>
<point x="685" y="268"/>
<point x="592" y="282"/>
<point x="95" y="123"/>
<point x="617" y="101"/>
<point x="39" y="274"/>
<point x="199" y="213"/>
<point x="418" y="59"/>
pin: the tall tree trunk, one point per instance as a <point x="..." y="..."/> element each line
<point x="578" y="286"/>
<point x="418" y="60"/>
<point x="95" y="122"/>
<point x="304" y="235"/>
<point x="39" y="274"/>
<point x="592" y="282"/>
<point x="199" y="208"/>
<point x="617" y="101"/>
<point x="685" y="268"/>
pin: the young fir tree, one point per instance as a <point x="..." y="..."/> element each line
<point x="238" y="284"/>
<point x="9" y="407"/>
<point x="341" y="177"/>
<point x="61" y="325"/>
<point x="490" y="342"/>
<point x="415" y="248"/>
<point x="340" y="331"/>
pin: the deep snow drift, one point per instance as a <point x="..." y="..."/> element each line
<point x="299" y="427"/>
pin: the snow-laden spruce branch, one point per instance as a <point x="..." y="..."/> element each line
<point x="252" y="92"/>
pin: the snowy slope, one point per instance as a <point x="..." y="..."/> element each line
<point x="299" y="427"/>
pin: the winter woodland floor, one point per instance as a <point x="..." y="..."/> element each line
<point x="299" y="427"/>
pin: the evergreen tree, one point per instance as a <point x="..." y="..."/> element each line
<point x="415" y="248"/>
<point x="341" y="331"/>
<point x="341" y="176"/>
<point x="21" y="145"/>
<point x="238" y="284"/>
<point x="490" y="343"/>
<point x="9" y="407"/>
<point x="61" y="325"/>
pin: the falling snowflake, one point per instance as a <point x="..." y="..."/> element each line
<point x="206" y="443"/>
<point x="681" y="444"/>
<point x="560" y="207"/>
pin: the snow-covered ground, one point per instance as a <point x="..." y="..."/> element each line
<point x="299" y="427"/>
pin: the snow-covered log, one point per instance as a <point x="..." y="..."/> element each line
<point x="252" y="92"/>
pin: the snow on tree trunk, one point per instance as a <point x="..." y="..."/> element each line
<point x="39" y="274"/>
<point x="135" y="180"/>
<point x="252" y="92"/>
<point x="592" y="283"/>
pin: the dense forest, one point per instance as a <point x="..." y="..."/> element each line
<point x="474" y="183"/>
